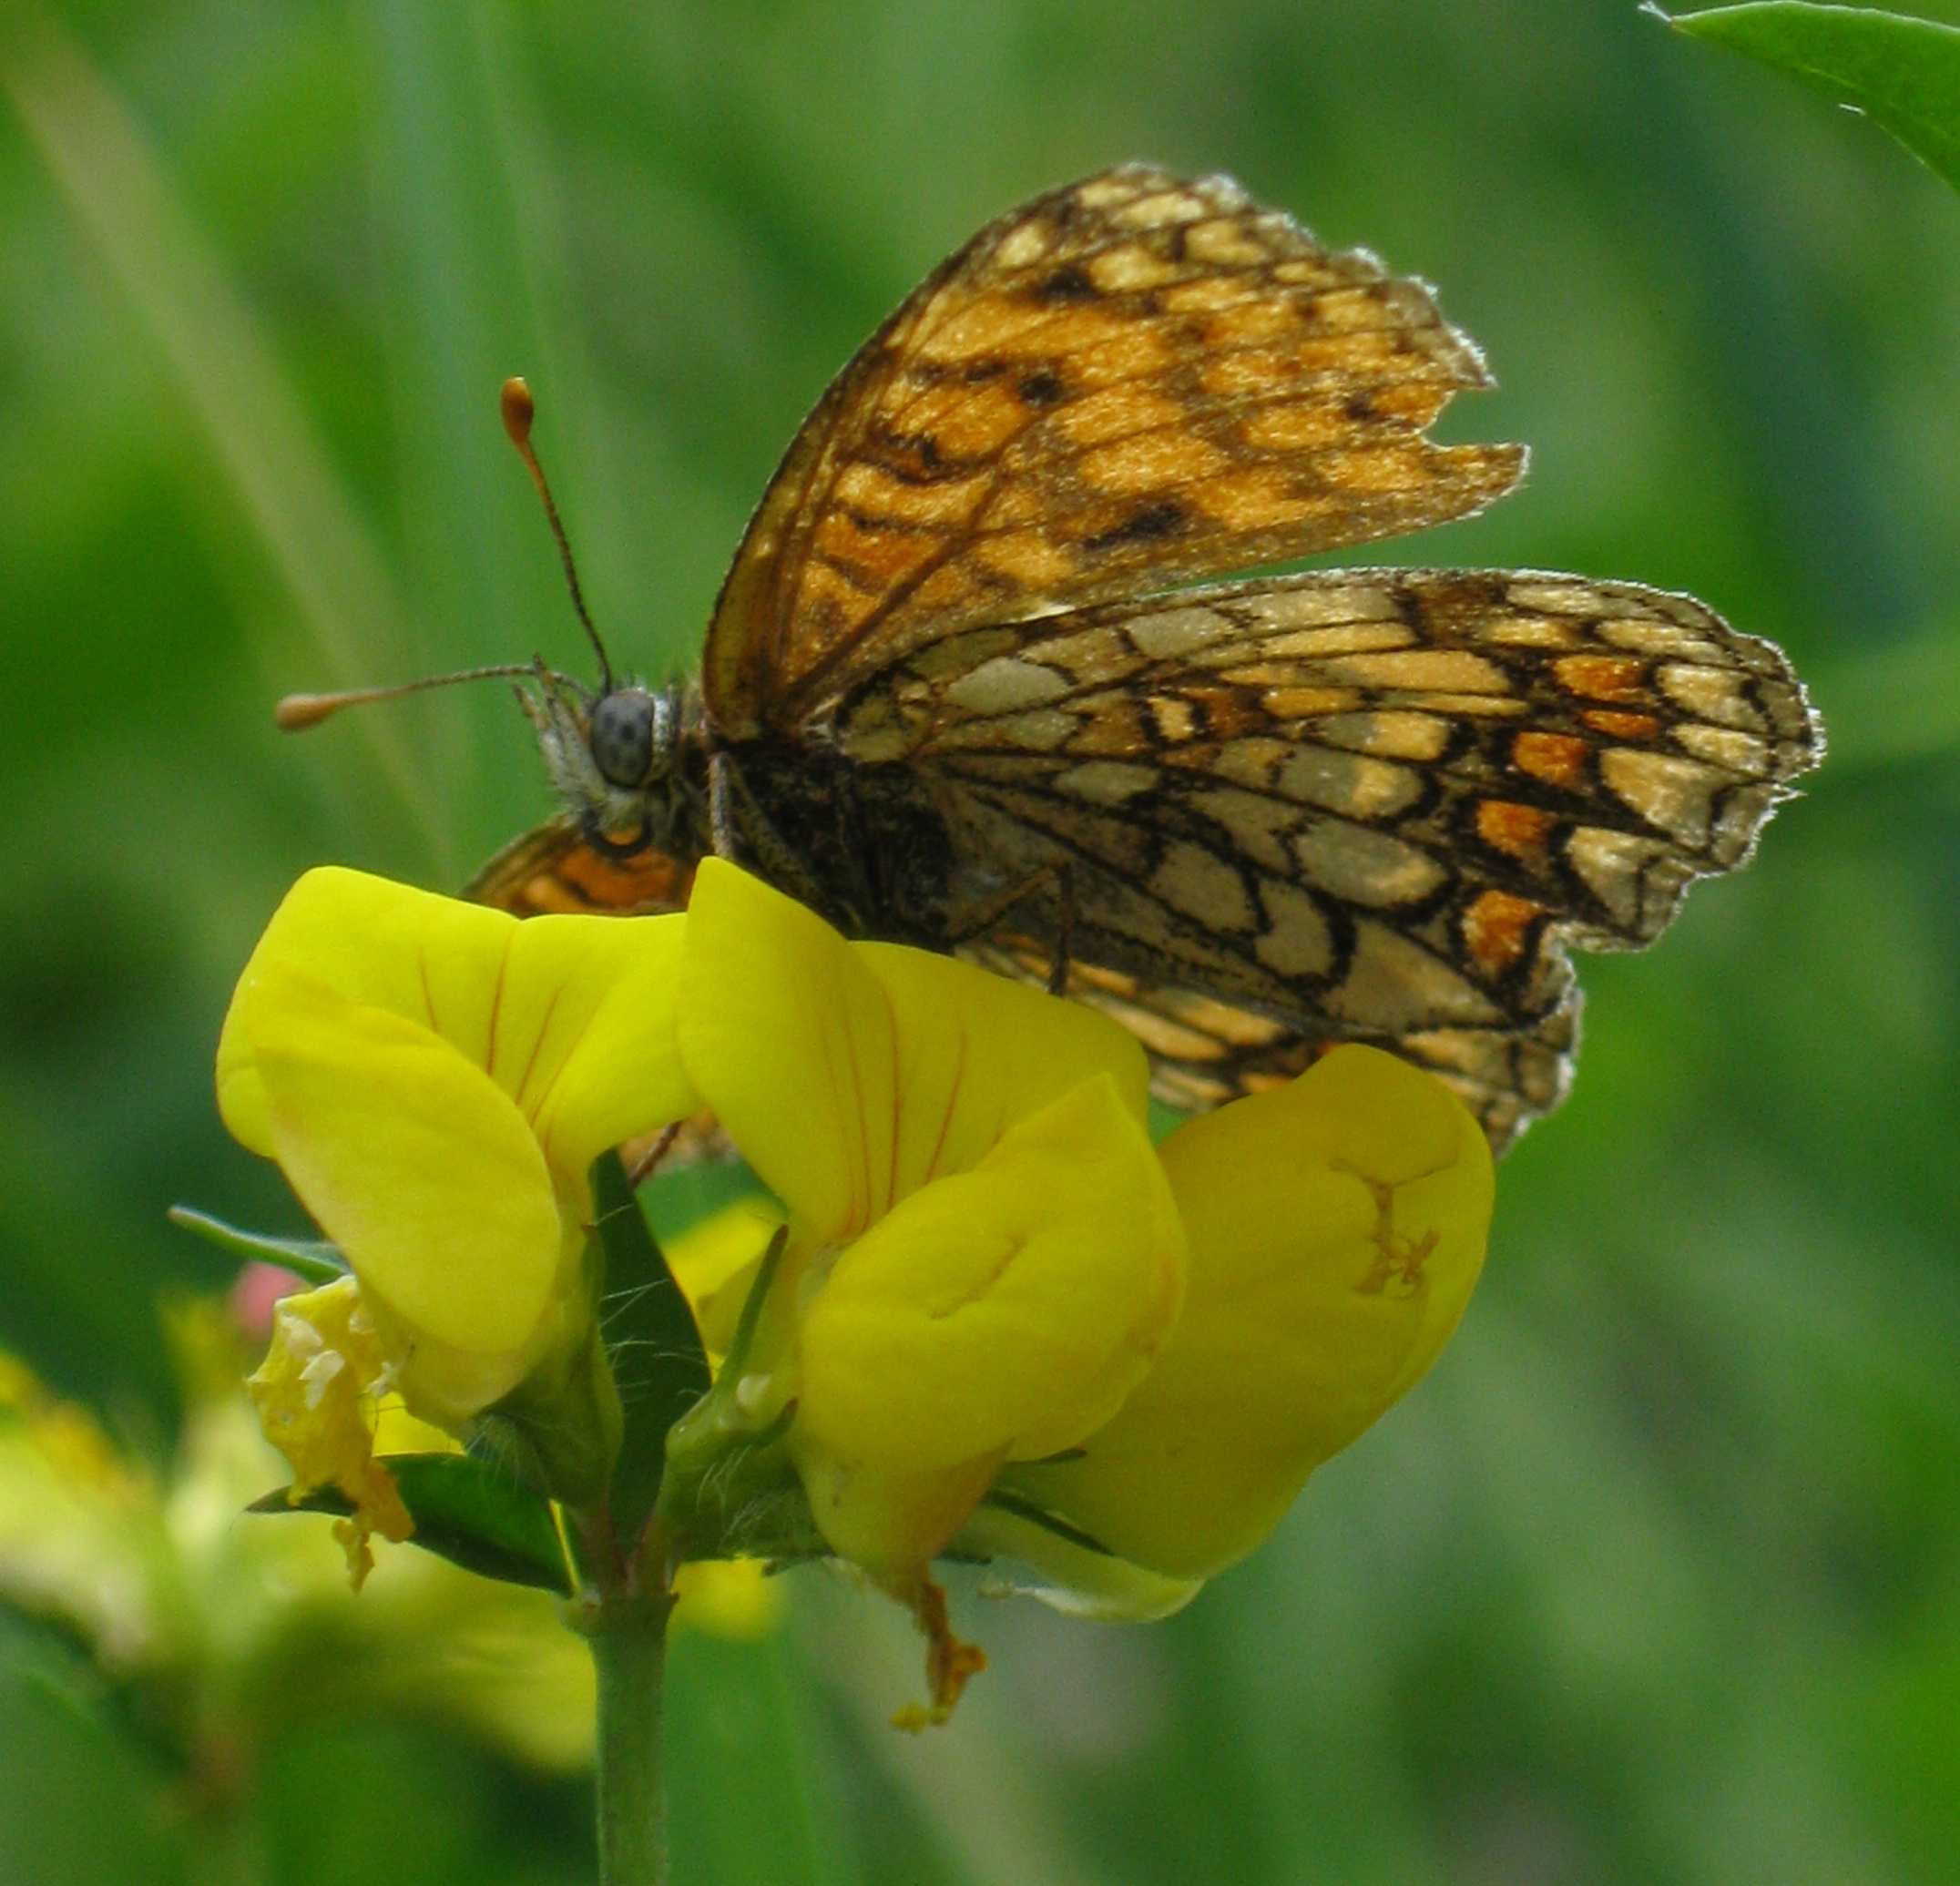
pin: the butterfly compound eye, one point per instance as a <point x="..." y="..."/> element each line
<point x="622" y="736"/>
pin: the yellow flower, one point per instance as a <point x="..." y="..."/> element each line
<point x="974" y="1338"/>
<point x="1337" y="1226"/>
<point x="984" y="1258"/>
<point x="994" y="1320"/>
<point x="435" y="1080"/>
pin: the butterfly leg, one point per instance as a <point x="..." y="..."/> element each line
<point x="658" y="1149"/>
<point x="1057" y="876"/>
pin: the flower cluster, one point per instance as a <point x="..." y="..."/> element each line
<point x="996" y="1321"/>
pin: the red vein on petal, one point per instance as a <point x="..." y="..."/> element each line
<point x="537" y="1047"/>
<point x="428" y="993"/>
<point x="945" y="1119"/>
<point x="496" y="1003"/>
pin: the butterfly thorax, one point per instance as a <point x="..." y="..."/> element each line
<point x="862" y="844"/>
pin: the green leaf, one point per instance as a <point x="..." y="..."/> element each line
<point x="317" y="1261"/>
<point x="1903" y="73"/>
<point x="657" y="1358"/>
<point x="464" y="1510"/>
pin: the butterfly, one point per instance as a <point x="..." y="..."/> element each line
<point x="953" y="696"/>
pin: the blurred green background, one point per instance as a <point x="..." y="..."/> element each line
<point x="1656" y="1579"/>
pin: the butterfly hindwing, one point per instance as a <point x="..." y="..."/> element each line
<point x="1363" y="804"/>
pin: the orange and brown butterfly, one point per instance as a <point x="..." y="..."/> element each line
<point x="950" y="696"/>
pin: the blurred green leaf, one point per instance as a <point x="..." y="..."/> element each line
<point x="67" y="1747"/>
<point x="741" y="1802"/>
<point x="1903" y="73"/>
<point x="314" y="1258"/>
<point x="464" y="1510"/>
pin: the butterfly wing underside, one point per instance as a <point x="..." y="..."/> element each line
<point x="1370" y="805"/>
<point x="554" y="870"/>
<point x="1373" y="805"/>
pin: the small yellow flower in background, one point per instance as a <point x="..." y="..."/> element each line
<point x="435" y="1080"/>
<point x="232" y="1630"/>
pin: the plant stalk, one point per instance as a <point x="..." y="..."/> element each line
<point x="627" y="1633"/>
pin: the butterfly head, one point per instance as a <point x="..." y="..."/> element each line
<point x="633" y="736"/>
<point x="616" y="759"/>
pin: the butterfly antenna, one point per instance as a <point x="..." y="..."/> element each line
<point x="518" y="413"/>
<point x="296" y="712"/>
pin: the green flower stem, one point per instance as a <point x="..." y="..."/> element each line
<point x="627" y="1632"/>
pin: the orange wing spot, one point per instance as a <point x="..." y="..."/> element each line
<point x="875" y="555"/>
<point x="1115" y="412"/>
<point x="1250" y="323"/>
<point x="1027" y="558"/>
<point x="1499" y="929"/>
<point x="1621" y="727"/>
<point x="1308" y="426"/>
<point x="1150" y="462"/>
<point x="1602" y="676"/>
<point x="1519" y="831"/>
<point x="1558" y="759"/>
<point x="1257" y="500"/>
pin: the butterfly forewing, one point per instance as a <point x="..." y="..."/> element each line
<point x="1130" y="380"/>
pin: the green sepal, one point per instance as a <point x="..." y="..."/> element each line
<point x="558" y="1432"/>
<point x="1903" y="73"/>
<point x="464" y="1510"/>
<point x="657" y="1358"/>
<point x="731" y="1489"/>
<point x="311" y="1257"/>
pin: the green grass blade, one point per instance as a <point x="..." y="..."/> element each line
<point x="234" y="387"/>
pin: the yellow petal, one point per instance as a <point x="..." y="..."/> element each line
<point x="891" y="1523"/>
<point x="1005" y="1309"/>
<point x="850" y="1073"/>
<point x="416" y="1165"/>
<point x="715" y="1261"/>
<point x="788" y="1038"/>
<point x="977" y="1051"/>
<point x="1337" y="1227"/>
<point x="592" y="1003"/>
<point x="571" y="1017"/>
